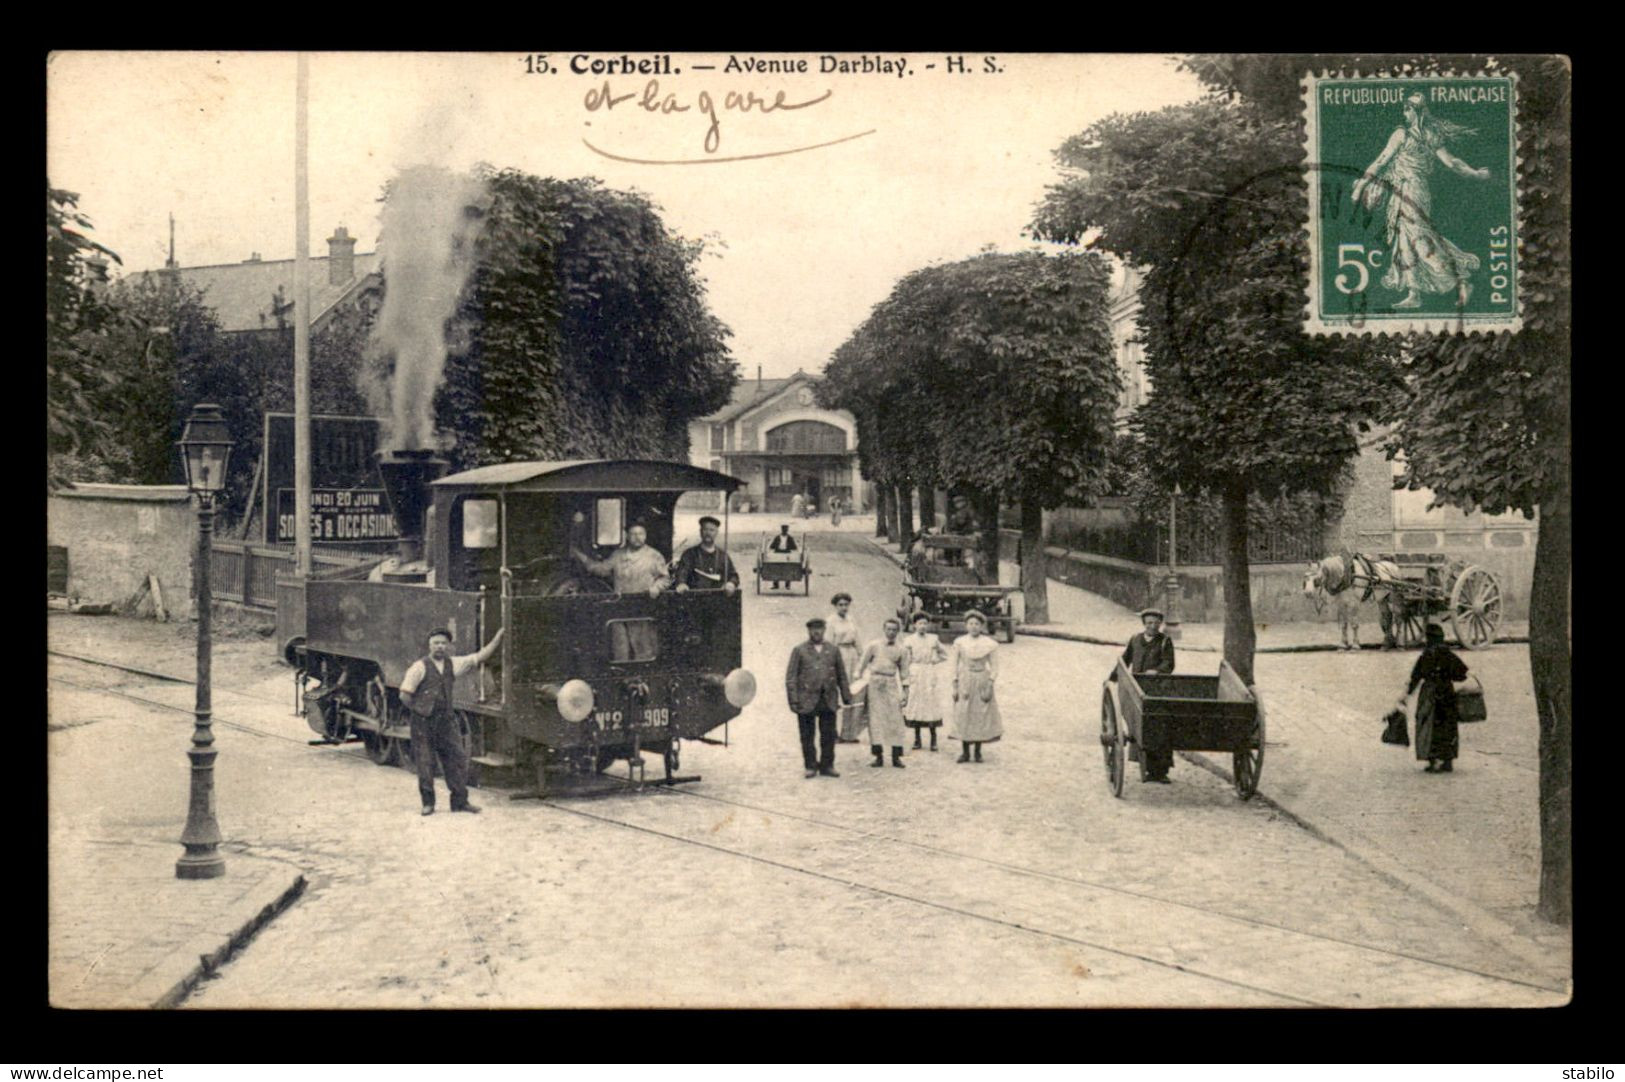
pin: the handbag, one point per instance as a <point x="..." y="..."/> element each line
<point x="1396" y="732"/>
<point x="854" y="716"/>
<point x="1470" y="700"/>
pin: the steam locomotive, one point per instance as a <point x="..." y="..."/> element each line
<point x="584" y="676"/>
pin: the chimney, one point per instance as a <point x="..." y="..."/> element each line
<point x="253" y="257"/>
<point x="406" y="476"/>
<point x="758" y="381"/>
<point x="340" y="257"/>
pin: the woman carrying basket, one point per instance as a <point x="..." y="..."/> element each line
<point x="1436" y="672"/>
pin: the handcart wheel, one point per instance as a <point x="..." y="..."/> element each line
<point x="1475" y="608"/>
<point x="1248" y="763"/>
<point x="1111" y="743"/>
<point x="758" y="580"/>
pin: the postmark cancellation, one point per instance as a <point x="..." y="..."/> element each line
<point x="1413" y="204"/>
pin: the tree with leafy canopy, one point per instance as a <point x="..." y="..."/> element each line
<point x="584" y="332"/>
<point x="1208" y="198"/>
<point x="77" y="322"/>
<point x="1486" y="425"/>
<point x="993" y="374"/>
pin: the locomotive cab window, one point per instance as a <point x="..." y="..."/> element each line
<point x="633" y="640"/>
<point x="608" y="517"/>
<point x="479" y="524"/>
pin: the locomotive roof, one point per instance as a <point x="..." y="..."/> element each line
<point x="593" y="475"/>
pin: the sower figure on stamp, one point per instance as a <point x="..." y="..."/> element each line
<point x="1420" y="258"/>
<point x="886" y="662"/>
<point x="426" y="691"/>
<point x="1151" y="651"/>
<point x="816" y="684"/>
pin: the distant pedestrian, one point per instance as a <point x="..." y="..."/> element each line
<point x="923" y="707"/>
<point x="1151" y="651"/>
<point x="816" y="684"/>
<point x="843" y="635"/>
<point x="886" y="662"/>
<point x="834" y="510"/>
<point x="798" y="506"/>
<point x="426" y="691"/>
<point x="976" y="670"/>
<point x="1436" y="673"/>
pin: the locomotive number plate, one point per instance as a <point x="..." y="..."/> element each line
<point x="615" y="719"/>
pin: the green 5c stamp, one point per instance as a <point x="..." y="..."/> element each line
<point x="1413" y="204"/>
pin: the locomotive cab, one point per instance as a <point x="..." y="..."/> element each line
<point x="586" y="675"/>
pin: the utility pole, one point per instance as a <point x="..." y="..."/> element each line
<point x="301" y="321"/>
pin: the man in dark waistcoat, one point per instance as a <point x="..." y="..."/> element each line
<point x="816" y="683"/>
<point x="1151" y="651"/>
<point x="705" y="566"/>
<point x="426" y="691"/>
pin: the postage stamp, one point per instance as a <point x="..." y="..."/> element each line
<point x="1413" y="204"/>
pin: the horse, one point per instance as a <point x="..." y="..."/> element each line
<point x="1349" y="579"/>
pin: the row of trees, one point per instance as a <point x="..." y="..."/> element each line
<point x="584" y="331"/>
<point x="993" y="376"/>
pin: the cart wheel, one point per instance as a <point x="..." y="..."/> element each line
<point x="806" y="580"/>
<point x="758" y="580"/>
<point x="1111" y="743"/>
<point x="1475" y="608"/>
<point x="1412" y="625"/>
<point x="1248" y="763"/>
<point x="1007" y="631"/>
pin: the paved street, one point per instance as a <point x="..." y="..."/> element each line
<point x="1021" y="881"/>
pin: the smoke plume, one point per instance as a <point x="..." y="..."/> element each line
<point x="430" y="221"/>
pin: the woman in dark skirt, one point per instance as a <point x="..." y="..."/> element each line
<point x="1436" y="673"/>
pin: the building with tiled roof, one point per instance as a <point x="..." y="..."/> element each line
<point x="773" y="435"/>
<point x="257" y="294"/>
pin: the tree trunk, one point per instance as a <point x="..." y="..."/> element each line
<point x="987" y="516"/>
<point x="1550" y="660"/>
<point x="1239" y="636"/>
<point x="881" y="490"/>
<point x="1034" y="568"/>
<point x="905" y="516"/>
<point x="891" y="513"/>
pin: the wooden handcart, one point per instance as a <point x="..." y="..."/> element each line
<point x="1182" y="713"/>
<point x="786" y="568"/>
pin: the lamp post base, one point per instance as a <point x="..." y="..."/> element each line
<point x="1174" y="592"/>
<point x="200" y="866"/>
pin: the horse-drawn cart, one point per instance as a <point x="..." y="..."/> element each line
<point x="783" y="568"/>
<point x="1416" y="588"/>
<point x="1181" y="713"/>
<point x="938" y="582"/>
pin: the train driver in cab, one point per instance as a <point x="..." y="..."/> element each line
<point x="634" y="568"/>
<point x="706" y="566"/>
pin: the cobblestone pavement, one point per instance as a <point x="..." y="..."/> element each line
<point x="1020" y="881"/>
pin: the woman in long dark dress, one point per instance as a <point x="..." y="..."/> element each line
<point x="1436" y="673"/>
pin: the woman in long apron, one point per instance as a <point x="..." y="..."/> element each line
<point x="842" y="633"/>
<point x="923" y="707"/>
<point x="886" y="662"/>
<point x="976" y="670"/>
<point x="1433" y="679"/>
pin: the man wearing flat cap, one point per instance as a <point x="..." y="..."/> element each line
<point x="705" y="566"/>
<point x="1151" y="651"/>
<point x="816" y="683"/>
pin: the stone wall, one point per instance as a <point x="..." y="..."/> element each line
<point x="117" y="534"/>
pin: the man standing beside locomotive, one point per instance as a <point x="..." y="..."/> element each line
<point x="634" y="568"/>
<point x="705" y="566"/>
<point x="816" y="683"/>
<point x="426" y="691"/>
<point x="1151" y="651"/>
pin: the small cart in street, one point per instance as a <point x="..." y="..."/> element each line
<point x="784" y="568"/>
<point x="1182" y="713"/>
<point x="939" y="582"/>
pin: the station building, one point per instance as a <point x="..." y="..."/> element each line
<point x="775" y="437"/>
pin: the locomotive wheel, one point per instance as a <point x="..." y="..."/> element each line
<point x="381" y="749"/>
<point x="1475" y="608"/>
<point x="1246" y="765"/>
<point x="1111" y="743"/>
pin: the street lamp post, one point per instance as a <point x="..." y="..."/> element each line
<point x="1173" y="589"/>
<point x="205" y="449"/>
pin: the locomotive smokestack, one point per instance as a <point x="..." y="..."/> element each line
<point x="406" y="476"/>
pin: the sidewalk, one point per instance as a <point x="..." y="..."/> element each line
<point x="124" y="932"/>
<point x="1476" y="854"/>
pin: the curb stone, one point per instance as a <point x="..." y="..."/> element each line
<point x="212" y="951"/>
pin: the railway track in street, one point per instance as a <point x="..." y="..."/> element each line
<point x="1281" y="963"/>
